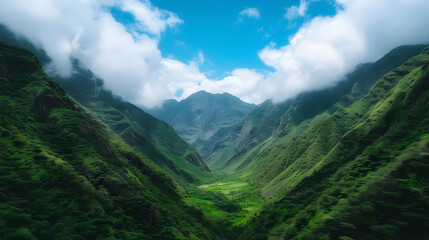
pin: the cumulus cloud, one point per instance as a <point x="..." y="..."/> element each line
<point x="327" y="48"/>
<point x="241" y="82"/>
<point x="250" y="12"/>
<point x="201" y="58"/>
<point x="150" y="18"/>
<point x="130" y="63"/>
<point x="295" y="12"/>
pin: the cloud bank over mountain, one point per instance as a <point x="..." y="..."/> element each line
<point x="327" y="48"/>
<point x="127" y="57"/>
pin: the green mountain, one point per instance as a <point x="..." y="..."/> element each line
<point x="146" y="134"/>
<point x="64" y="174"/>
<point x="270" y="119"/>
<point x="140" y="130"/>
<point x="360" y="172"/>
<point x="348" y="162"/>
<point x="203" y="119"/>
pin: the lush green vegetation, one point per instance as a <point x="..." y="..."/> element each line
<point x="140" y="130"/>
<point x="229" y="204"/>
<point x="353" y="166"/>
<point x="150" y="136"/>
<point x="360" y="172"/>
<point x="65" y="175"/>
<point x="357" y="172"/>
<point x="281" y="119"/>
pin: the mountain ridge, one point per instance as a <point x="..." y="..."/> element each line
<point x="322" y="174"/>
<point x="282" y="118"/>
<point x="155" y="139"/>
<point x="202" y="118"/>
<point x="139" y="129"/>
<point x="66" y="175"/>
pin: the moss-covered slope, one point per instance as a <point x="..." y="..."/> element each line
<point x="269" y="119"/>
<point x="148" y="135"/>
<point x="65" y="175"/>
<point x="359" y="173"/>
<point x="140" y="130"/>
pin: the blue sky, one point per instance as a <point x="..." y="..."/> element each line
<point x="213" y="28"/>
<point x="147" y="51"/>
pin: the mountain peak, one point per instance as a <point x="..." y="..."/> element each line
<point x="204" y="93"/>
<point x="203" y="117"/>
<point x="206" y="96"/>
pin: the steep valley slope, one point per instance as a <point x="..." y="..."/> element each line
<point x="270" y="119"/>
<point x="146" y="134"/>
<point x="358" y="173"/>
<point x="64" y="174"/>
<point x="140" y="130"/>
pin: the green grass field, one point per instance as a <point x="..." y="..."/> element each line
<point x="229" y="203"/>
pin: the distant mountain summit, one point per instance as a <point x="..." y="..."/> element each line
<point x="203" y="118"/>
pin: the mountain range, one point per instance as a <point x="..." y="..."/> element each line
<point x="347" y="162"/>
<point x="223" y="128"/>
<point x="280" y="119"/>
<point x="320" y="154"/>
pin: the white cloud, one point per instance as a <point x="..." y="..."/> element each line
<point x="267" y="35"/>
<point x="295" y="12"/>
<point x="327" y="48"/>
<point x="250" y="12"/>
<point x="170" y="76"/>
<point x="201" y="57"/>
<point x="151" y="19"/>
<point x="317" y="56"/>
<point x="179" y="43"/>
<point x="129" y="63"/>
<point x="241" y="82"/>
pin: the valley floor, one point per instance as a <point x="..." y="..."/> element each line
<point x="229" y="202"/>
